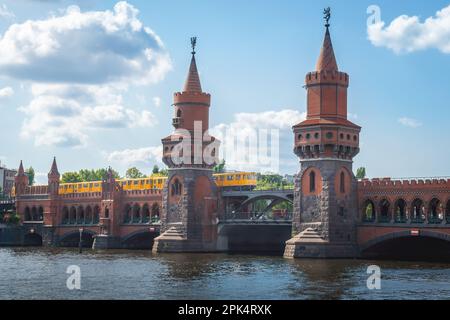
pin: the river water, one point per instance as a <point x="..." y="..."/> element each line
<point x="40" y="273"/>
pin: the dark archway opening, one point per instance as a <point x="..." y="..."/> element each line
<point x="384" y="211"/>
<point x="410" y="248"/>
<point x="368" y="211"/>
<point x="143" y="240"/>
<point x="400" y="211"/>
<point x="73" y="240"/>
<point x="32" y="240"/>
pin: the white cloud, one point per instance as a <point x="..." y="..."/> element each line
<point x="63" y="115"/>
<point x="407" y="34"/>
<point x="157" y="101"/>
<point x="5" y="12"/>
<point x="85" y="47"/>
<point x="409" y="122"/>
<point x="6" y="92"/>
<point x="142" y="156"/>
<point x="79" y="65"/>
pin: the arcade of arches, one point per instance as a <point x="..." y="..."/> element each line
<point x="434" y="211"/>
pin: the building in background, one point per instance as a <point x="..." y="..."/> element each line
<point x="6" y="180"/>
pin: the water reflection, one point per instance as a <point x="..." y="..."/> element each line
<point x="38" y="273"/>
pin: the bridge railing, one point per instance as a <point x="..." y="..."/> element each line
<point x="257" y="216"/>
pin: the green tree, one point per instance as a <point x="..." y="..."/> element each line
<point x="220" y="168"/>
<point x="361" y="173"/>
<point x="31" y="175"/>
<point x="70" y="177"/>
<point x="134" y="173"/>
<point x="155" y="169"/>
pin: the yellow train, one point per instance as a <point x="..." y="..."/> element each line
<point x="224" y="180"/>
<point x="235" y="180"/>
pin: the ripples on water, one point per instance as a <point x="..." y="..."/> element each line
<point x="37" y="273"/>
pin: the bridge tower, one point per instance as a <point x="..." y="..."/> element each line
<point x="325" y="199"/>
<point x="51" y="216"/>
<point x="189" y="210"/>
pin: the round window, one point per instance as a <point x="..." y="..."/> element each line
<point x="329" y="135"/>
<point x="316" y="135"/>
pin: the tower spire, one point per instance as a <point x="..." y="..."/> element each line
<point x="54" y="169"/>
<point x="21" y="171"/>
<point x="327" y="59"/>
<point x="192" y="83"/>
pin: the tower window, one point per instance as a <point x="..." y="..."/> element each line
<point x="355" y="138"/>
<point x="179" y="113"/>
<point x="176" y="188"/>
<point x="312" y="181"/>
<point x="342" y="182"/>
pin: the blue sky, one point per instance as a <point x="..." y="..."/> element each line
<point x="63" y="94"/>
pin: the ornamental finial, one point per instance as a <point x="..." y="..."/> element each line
<point x="193" y="44"/>
<point x="327" y="16"/>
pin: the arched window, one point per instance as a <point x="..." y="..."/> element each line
<point x="145" y="214"/>
<point x="27" y="214"/>
<point x="435" y="214"/>
<point x="65" y="216"/>
<point x="384" y="211"/>
<point x="179" y="113"/>
<point x="88" y="215"/>
<point x="417" y="211"/>
<point x="447" y="211"/>
<point x="312" y="181"/>
<point x="73" y="215"/>
<point x="369" y="211"/>
<point x="34" y="214"/>
<point x="96" y="214"/>
<point x="400" y="211"/>
<point x="127" y="214"/>
<point x="136" y="213"/>
<point x="155" y="213"/>
<point x="342" y="182"/>
<point x="176" y="188"/>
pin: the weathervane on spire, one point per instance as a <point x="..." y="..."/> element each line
<point x="193" y="44"/>
<point x="327" y="16"/>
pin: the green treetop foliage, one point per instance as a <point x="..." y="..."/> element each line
<point x="86" y="175"/>
<point x="361" y="173"/>
<point x="134" y="173"/>
<point x="158" y="172"/>
<point x="269" y="181"/>
<point x="31" y="175"/>
<point x="220" y="168"/>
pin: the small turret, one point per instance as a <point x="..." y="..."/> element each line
<point x="20" y="181"/>
<point x="53" y="179"/>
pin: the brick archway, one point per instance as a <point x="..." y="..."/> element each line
<point x="403" y="234"/>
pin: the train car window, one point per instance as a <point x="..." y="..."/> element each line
<point x="136" y="183"/>
<point x="229" y="178"/>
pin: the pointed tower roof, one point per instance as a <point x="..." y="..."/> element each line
<point x="327" y="59"/>
<point x="192" y="83"/>
<point x="54" y="169"/>
<point x="21" y="171"/>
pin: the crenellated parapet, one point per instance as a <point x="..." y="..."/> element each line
<point x="197" y="98"/>
<point x="383" y="183"/>
<point x="331" y="77"/>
